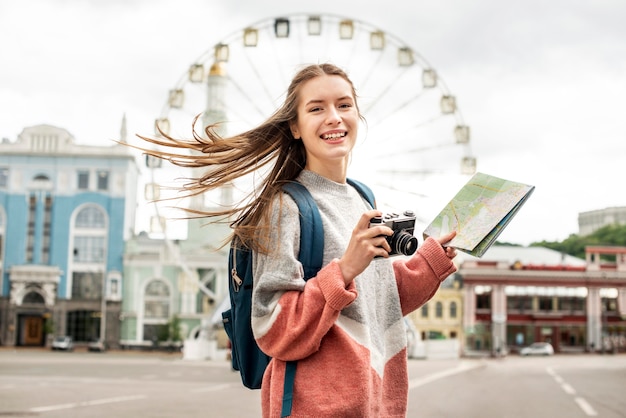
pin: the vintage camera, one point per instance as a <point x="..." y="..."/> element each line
<point x="402" y="241"/>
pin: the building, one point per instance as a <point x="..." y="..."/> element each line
<point x="65" y="211"/>
<point x="589" y="222"/>
<point x="439" y="322"/>
<point x="173" y="281"/>
<point x="515" y="296"/>
<point x="181" y="281"/>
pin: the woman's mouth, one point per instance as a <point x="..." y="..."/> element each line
<point x="335" y="135"/>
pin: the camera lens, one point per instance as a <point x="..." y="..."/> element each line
<point x="403" y="243"/>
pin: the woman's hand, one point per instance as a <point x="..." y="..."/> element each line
<point x="365" y="244"/>
<point x="443" y="240"/>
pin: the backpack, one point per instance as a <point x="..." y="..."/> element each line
<point x="246" y="355"/>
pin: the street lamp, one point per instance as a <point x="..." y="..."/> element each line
<point x="103" y="310"/>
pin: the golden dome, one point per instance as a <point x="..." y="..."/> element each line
<point x="217" y="69"/>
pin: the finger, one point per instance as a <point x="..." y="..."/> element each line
<point x="381" y="242"/>
<point x="364" y="221"/>
<point x="447" y="238"/>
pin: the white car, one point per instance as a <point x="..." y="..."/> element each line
<point x="64" y="343"/>
<point x="97" y="345"/>
<point x="537" y="349"/>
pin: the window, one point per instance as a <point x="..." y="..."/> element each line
<point x="87" y="285"/>
<point x="83" y="180"/>
<point x="2" y="222"/>
<point x="425" y="311"/>
<point x="33" y="298"/>
<point x="545" y="303"/>
<point x="4" y="177"/>
<point x="47" y="230"/>
<point x="439" y="310"/>
<point x="453" y="310"/>
<point x="609" y="304"/>
<point x="90" y="217"/>
<point x="157" y="300"/>
<point x="571" y="304"/>
<point x="519" y="304"/>
<point x="30" y="238"/>
<point x="89" y="249"/>
<point x="114" y="286"/>
<point x="103" y="180"/>
<point x="483" y="301"/>
<point x="83" y="325"/>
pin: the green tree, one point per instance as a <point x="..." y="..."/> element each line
<point x="610" y="235"/>
<point x="170" y="331"/>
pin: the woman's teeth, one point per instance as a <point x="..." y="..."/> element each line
<point x="334" y="136"/>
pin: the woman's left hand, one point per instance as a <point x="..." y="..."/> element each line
<point x="443" y="240"/>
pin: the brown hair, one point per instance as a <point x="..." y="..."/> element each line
<point x="229" y="158"/>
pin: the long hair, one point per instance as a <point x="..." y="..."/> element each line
<point x="271" y="144"/>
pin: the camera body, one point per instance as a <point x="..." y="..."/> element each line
<point x="402" y="241"/>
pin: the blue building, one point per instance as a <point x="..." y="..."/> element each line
<point x="65" y="211"/>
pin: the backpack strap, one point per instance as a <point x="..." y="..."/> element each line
<point x="311" y="229"/>
<point x="364" y="191"/>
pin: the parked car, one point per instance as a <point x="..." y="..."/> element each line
<point x="96" y="345"/>
<point x="64" y="343"/>
<point x="537" y="349"/>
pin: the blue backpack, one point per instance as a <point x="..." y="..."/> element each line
<point x="246" y="355"/>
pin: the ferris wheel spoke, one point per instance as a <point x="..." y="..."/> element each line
<point x="251" y="101"/>
<point x="385" y="90"/>
<point x="395" y="110"/>
<point x="259" y="78"/>
<point x="376" y="64"/>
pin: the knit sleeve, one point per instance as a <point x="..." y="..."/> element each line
<point x="419" y="277"/>
<point x="290" y="316"/>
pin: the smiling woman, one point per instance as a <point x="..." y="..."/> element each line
<point x="356" y="300"/>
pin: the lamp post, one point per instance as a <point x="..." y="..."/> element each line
<point x="103" y="310"/>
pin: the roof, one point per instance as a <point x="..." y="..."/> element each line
<point x="525" y="255"/>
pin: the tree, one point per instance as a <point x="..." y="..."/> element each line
<point x="610" y="235"/>
<point x="170" y="331"/>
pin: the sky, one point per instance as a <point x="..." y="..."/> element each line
<point x="540" y="83"/>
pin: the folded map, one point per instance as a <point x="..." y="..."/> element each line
<point x="479" y="212"/>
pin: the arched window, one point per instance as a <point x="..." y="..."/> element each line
<point x="33" y="298"/>
<point x="453" y="310"/>
<point x="90" y="217"/>
<point x="439" y="310"/>
<point x="90" y="235"/>
<point x="157" y="300"/>
<point x="424" y="311"/>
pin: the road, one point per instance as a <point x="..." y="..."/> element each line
<point x="47" y="384"/>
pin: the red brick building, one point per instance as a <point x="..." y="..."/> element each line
<point x="515" y="296"/>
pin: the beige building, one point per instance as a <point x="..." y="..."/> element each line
<point x="589" y="222"/>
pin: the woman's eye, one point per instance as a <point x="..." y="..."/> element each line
<point x="345" y="105"/>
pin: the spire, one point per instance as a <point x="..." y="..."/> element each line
<point x="123" y="131"/>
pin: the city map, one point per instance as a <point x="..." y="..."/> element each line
<point x="479" y="212"/>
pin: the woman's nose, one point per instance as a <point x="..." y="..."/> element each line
<point x="333" y="116"/>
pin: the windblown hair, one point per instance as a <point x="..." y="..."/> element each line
<point x="232" y="157"/>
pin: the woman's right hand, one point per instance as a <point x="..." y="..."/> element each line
<point x="365" y="244"/>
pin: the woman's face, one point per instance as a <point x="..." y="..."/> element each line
<point x="327" y="123"/>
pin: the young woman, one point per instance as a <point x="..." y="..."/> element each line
<point x="345" y="325"/>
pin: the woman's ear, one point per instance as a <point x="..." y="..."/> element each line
<point x="294" y="131"/>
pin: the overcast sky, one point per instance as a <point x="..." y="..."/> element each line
<point x="540" y="83"/>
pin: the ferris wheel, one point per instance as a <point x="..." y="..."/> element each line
<point x="414" y="136"/>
